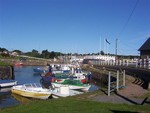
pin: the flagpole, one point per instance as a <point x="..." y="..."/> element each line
<point x="100" y="46"/>
<point x="106" y="51"/>
<point x="99" y="49"/>
<point x="104" y="46"/>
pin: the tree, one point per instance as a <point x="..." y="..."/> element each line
<point x="17" y="51"/>
<point x="102" y="52"/>
<point x="3" y="49"/>
<point x="45" y="54"/>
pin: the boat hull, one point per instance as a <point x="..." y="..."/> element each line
<point x="64" y="91"/>
<point x="84" y="87"/>
<point x="39" y="94"/>
<point x="7" y="83"/>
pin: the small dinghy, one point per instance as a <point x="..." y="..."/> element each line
<point x="33" y="90"/>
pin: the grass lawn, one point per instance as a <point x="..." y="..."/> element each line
<point x="74" y="105"/>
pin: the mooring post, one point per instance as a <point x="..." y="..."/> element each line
<point x="124" y="77"/>
<point x="109" y="76"/>
<point x="117" y="87"/>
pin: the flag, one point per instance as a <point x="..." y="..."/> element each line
<point x="107" y="41"/>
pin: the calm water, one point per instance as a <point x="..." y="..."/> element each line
<point x="23" y="75"/>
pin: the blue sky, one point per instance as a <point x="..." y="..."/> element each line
<point x="76" y="26"/>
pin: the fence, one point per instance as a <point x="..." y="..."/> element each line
<point x="141" y="63"/>
<point x="115" y="85"/>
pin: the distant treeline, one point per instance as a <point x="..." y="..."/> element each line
<point x="46" y="54"/>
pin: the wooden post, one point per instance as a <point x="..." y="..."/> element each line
<point x="109" y="76"/>
<point x="124" y="75"/>
<point x="117" y="87"/>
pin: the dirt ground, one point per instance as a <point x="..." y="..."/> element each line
<point x="132" y="89"/>
<point x="131" y="94"/>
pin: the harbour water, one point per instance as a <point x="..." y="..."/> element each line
<point x="24" y="74"/>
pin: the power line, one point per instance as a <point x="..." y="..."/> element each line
<point x="128" y="18"/>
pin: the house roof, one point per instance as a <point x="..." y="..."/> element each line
<point x="146" y="45"/>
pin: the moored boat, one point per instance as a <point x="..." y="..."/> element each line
<point x="73" y="84"/>
<point x="64" y="91"/>
<point x="7" y="83"/>
<point x="34" y="90"/>
<point x="39" y="70"/>
<point x="18" y="64"/>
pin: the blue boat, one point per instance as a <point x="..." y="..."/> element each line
<point x="39" y="70"/>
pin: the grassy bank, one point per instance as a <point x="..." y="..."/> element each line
<point x="4" y="64"/>
<point x="74" y="105"/>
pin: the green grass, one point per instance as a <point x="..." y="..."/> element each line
<point x="4" y="64"/>
<point x="74" y="105"/>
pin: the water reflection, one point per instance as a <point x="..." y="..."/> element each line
<point x="21" y="98"/>
<point x="5" y="98"/>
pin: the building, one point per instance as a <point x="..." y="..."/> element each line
<point x="145" y="49"/>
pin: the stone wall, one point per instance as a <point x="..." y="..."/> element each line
<point x="6" y="72"/>
<point x="29" y="62"/>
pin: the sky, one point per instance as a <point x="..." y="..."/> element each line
<point x="75" y="26"/>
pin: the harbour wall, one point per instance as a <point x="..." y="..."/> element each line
<point x="29" y="62"/>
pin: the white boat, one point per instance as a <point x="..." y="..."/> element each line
<point x="33" y="90"/>
<point x="64" y="91"/>
<point x="73" y="84"/>
<point x="7" y="83"/>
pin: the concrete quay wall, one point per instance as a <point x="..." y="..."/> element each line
<point x="29" y="62"/>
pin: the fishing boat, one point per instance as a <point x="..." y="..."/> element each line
<point x="33" y="90"/>
<point x="7" y="83"/>
<point x="73" y="84"/>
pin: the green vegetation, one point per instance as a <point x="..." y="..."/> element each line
<point x="74" y="105"/>
<point x="4" y="64"/>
